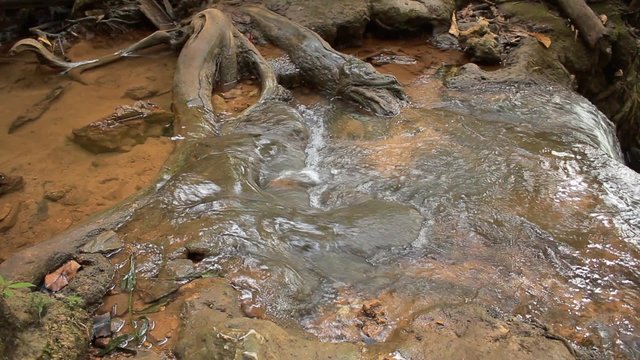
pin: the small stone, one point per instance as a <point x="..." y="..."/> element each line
<point x="117" y="324"/>
<point x="53" y="193"/>
<point x="446" y="41"/>
<point x="101" y="325"/>
<point x="126" y="127"/>
<point x="219" y="105"/>
<point x="484" y="49"/>
<point x="8" y="219"/>
<point x="101" y="343"/>
<point x="106" y="242"/>
<point x="10" y="183"/>
<point x="231" y="94"/>
<point x="140" y="93"/>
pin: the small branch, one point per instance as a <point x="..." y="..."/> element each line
<point x="172" y="37"/>
<point x="34" y="112"/>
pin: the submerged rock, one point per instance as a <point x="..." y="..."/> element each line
<point x="411" y="15"/>
<point x="125" y="128"/>
<point x="10" y="183"/>
<point x="214" y="328"/>
<point x="339" y="22"/>
<point x="9" y="217"/>
<point x="106" y="242"/>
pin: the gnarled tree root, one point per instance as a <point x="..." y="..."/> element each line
<point x="214" y="52"/>
<point x="175" y="38"/>
<point x="327" y="69"/>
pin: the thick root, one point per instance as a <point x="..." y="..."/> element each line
<point x="330" y="70"/>
<point x="207" y="58"/>
<point x="589" y="25"/>
<point x="208" y="55"/>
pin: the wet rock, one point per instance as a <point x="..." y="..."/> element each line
<point x="140" y="93"/>
<point x="106" y="242"/>
<point x="9" y="217"/>
<point x="411" y="15"/>
<point x="374" y="225"/>
<point x="446" y="41"/>
<point x="373" y="318"/>
<point x="93" y="281"/>
<point x="117" y="324"/>
<point x="10" y="183"/>
<point x="384" y="58"/>
<point x="455" y="331"/>
<point x="34" y="325"/>
<point x="125" y="128"/>
<point x="101" y="326"/>
<point x="55" y="193"/>
<point x="213" y="328"/>
<point x="485" y="49"/>
<point x="340" y="23"/>
<point x="287" y="72"/>
<point x="171" y="277"/>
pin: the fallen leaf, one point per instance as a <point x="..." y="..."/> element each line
<point x="453" y="29"/>
<point x="60" y="278"/>
<point x="603" y="18"/>
<point x="44" y="40"/>
<point x="543" y="39"/>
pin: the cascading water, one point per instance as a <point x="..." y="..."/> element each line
<point x="514" y="198"/>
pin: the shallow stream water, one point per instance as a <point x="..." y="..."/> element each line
<point x="514" y="197"/>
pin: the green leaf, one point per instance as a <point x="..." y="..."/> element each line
<point x="20" y="285"/>
<point x="142" y="328"/>
<point x="3" y="281"/>
<point x="128" y="283"/>
<point x="116" y="343"/>
<point x="154" y="307"/>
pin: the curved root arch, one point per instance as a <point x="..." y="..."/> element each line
<point x="212" y="49"/>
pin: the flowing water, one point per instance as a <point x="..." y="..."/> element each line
<point x="513" y="197"/>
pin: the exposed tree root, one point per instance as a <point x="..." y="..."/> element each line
<point x="39" y="108"/>
<point x="175" y="38"/>
<point x="213" y="52"/>
<point x="589" y="25"/>
<point x="327" y="69"/>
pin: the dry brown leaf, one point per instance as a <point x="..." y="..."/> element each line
<point x="453" y="29"/>
<point x="603" y="18"/>
<point x="543" y="39"/>
<point x="60" y="278"/>
<point x="44" y="40"/>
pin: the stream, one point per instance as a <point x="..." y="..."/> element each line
<point x="511" y="196"/>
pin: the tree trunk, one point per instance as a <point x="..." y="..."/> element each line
<point x="589" y="25"/>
